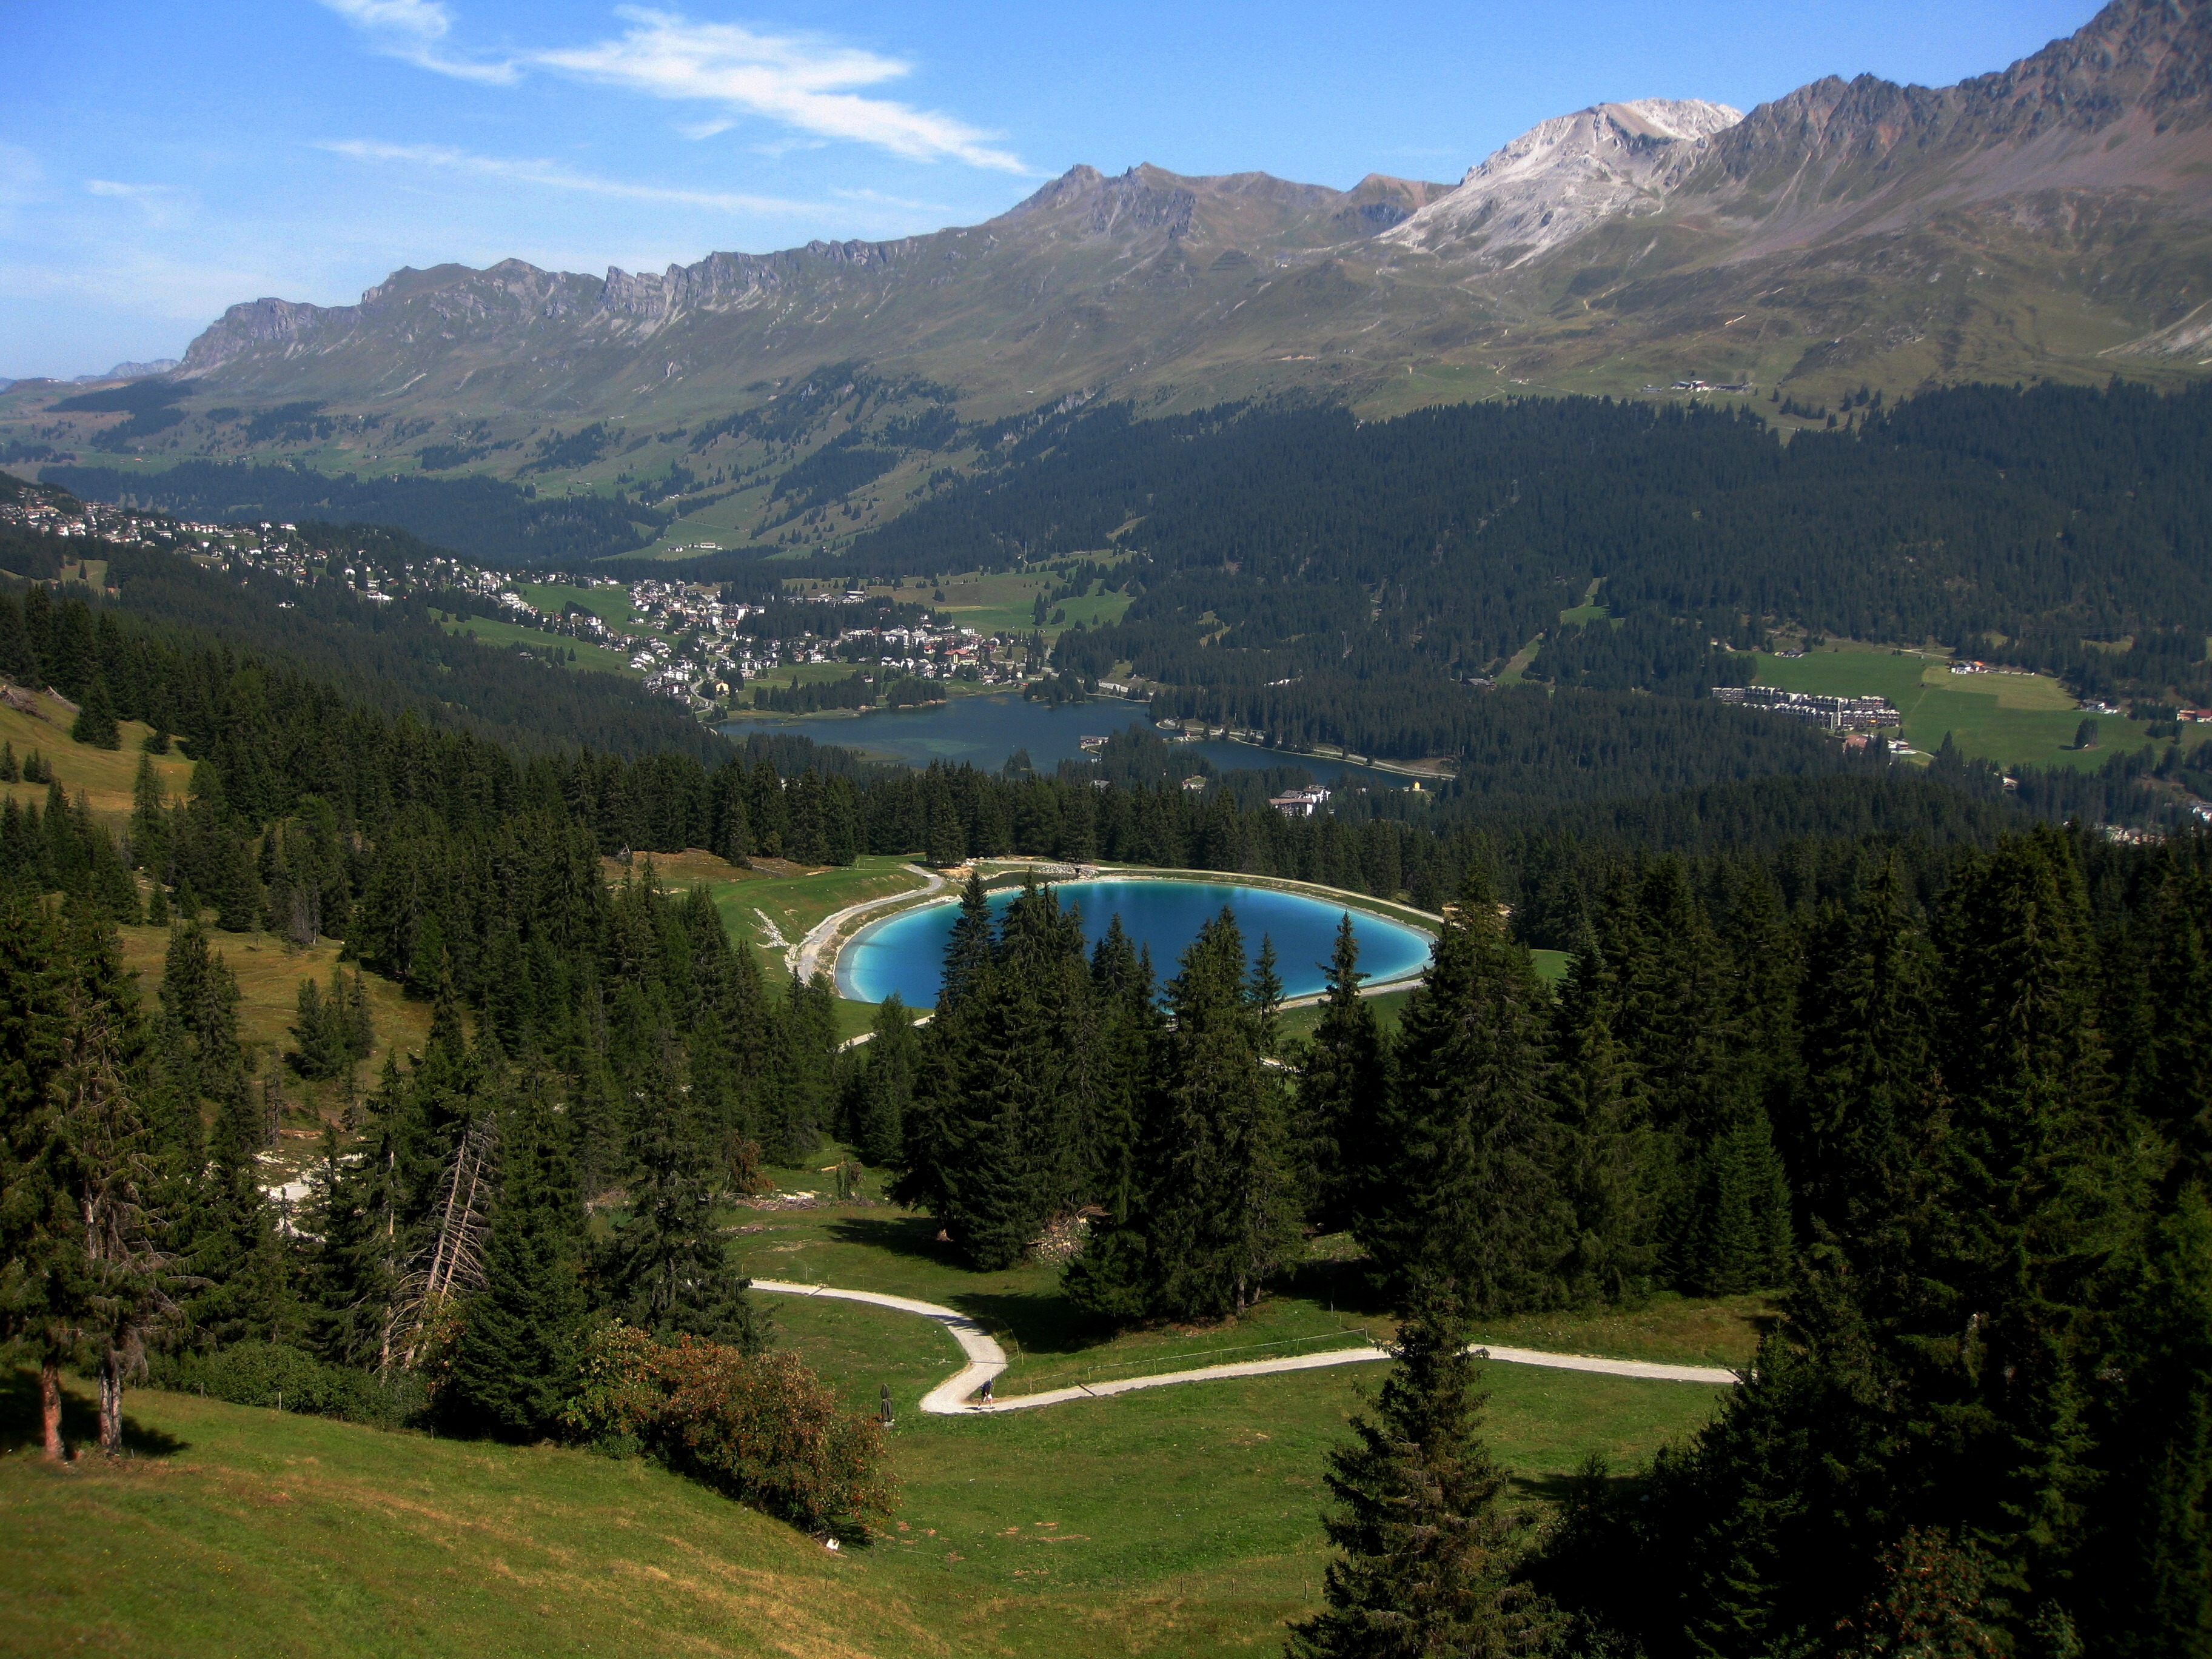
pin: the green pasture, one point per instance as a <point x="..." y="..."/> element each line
<point x="610" y="606"/>
<point x="1323" y="1302"/>
<point x="1169" y="1522"/>
<point x="758" y="908"/>
<point x="2014" y="720"/>
<point x="486" y="631"/>
<point x="234" y="1531"/>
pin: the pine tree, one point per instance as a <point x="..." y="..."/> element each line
<point x="665" y="1267"/>
<point x="41" y="1237"/>
<point x="1613" y="1166"/>
<point x="149" y="827"/>
<point x="1215" y="1212"/>
<point x="2146" y="1570"/>
<point x="95" y="725"/>
<point x="1864" y="1116"/>
<point x="1426" y="1553"/>
<point x="1740" y="1240"/>
<point x="513" y="1366"/>
<point x="1341" y="1081"/>
<point x="1468" y="1192"/>
<point x="886" y="1085"/>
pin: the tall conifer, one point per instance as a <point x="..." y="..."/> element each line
<point x="1469" y="1192"/>
<point x="1425" y="1550"/>
<point x="512" y="1367"/>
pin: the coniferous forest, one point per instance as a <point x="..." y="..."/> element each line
<point x="1913" y="1063"/>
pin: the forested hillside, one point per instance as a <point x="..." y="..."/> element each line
<point x="494" y="518"/>
<point x="1309" y="573"/>
<point x="390" y="656"/>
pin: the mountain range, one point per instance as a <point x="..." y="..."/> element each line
<point x="2053" y="219"/>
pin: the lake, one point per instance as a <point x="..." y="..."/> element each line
<point x="983" y="731"/>
<point x="905" y="953"/>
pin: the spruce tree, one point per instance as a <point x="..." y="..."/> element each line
<point x="665" y="1267"/>
<point x="1468" y="1191"/>
<point x="2146" y="1570"/>
<point x="1215" y="1212"/>
<point x="515" y="1362"/>
<point x="886" y="1085"/>
<point x="1426" y="1554"/>
<point x="95" y="725"/>
<point x="1341" y="1082"/>
<point x="1124" y="1001"/>
<point x="1613" y="1165"/>
<point x="41" y="1236"/>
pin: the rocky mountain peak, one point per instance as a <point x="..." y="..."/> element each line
<point x="1563" y="176"/>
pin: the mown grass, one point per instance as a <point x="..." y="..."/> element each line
<point x="2014" y="720"/>
<point x="1323" y="1302"/>
<point x="487" y="631"/>
<point x="758" y="909"/>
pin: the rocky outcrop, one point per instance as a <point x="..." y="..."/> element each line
<point x="1844" y="220"/>
<point x="1564" y="176"/>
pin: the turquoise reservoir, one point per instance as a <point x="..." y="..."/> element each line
<point x="905" y="953"/>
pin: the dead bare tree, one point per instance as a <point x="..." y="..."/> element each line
<point x="451" y="1261"/>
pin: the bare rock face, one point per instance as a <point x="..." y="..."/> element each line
<point x="2054" y="216"/>
<point x="1564" y="176"/>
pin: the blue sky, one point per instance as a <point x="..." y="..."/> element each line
<point x="160" y="161"/>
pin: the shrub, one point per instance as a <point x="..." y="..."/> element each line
<point x="271" y="1375"/>
<point x="761" y="1428"/>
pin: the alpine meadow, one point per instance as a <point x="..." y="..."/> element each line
<point x="1431" y="920"/>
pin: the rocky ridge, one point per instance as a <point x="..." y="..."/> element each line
<point x="2054" y="217"/>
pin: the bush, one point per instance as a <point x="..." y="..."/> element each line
<point x="268" y="1374"/>
<point x="761" y="1428"/>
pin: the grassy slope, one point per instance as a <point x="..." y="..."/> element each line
<point x="1168" y="1523"/>
<point x="588" y="655"/>
<point x="288" y="1535"/>
<point x="2013" y="719"/>
<point x="104" y="775"/>
<point x="269" y="970"/>
<point x="1322" y="1304"/>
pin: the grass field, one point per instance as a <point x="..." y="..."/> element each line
<point x="2014" y="720"/>
<point x="1182" y="1521"/>
<point x="103" y="776"/>
<point x="268" y="969"/>
<point x="1174" y="1521"/>
<point x="486" y="631"/>
<point x="242" y="1531"/>
<point x="771" y="912"/>
<point x="1321" y="1303"/>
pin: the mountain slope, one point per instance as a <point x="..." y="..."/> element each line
<point x="2053" y="219"/>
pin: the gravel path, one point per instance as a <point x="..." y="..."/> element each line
<point x="805" y="956"/>
<point x="985" y="1359"/>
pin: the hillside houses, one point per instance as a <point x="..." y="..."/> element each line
<point x="1835" y="713"/>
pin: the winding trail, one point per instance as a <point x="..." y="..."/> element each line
<point x="985" y="1359"/>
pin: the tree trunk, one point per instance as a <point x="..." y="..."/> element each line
<point x="110" y="1405"/>
<point x="50" y="1409"/>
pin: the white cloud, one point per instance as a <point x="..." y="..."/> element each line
<point x="164" y="205"/>
<point x="801" y="80"/>
<point x="553" y="175"/>
<point x="415" y="31"/>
